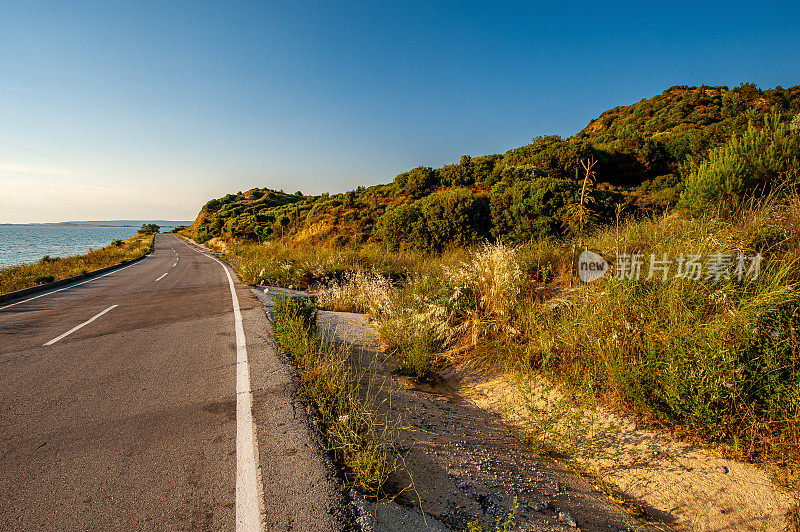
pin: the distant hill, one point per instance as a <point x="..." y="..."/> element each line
<point x="122" y="223"/>
<point x="643" y="151"/>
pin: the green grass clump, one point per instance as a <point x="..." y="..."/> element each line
<point x="341" y="392"/>
<point x="49" y="269"/>
<point x="503" y="525"/>
<point x="415" y="347"/>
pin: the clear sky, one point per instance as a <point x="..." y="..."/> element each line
<point x="138" y="109"/>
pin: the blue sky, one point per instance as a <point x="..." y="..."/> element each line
<point x="113" y="110"/>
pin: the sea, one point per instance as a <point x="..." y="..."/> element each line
<point x="29" y="243"/>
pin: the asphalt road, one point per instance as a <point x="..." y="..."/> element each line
<point x="119" y="408"/>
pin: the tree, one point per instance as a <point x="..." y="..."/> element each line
<point x="530" y="209"/>
<point x="284" y="221"/>
<point x="416" y="182"/>
<point x="149" y="229"/>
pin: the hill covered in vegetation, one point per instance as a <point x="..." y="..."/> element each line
<point x="644" y="155"/>
<point x="702" y="175"/>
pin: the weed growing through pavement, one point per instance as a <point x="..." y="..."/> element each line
<point x="341" y="391"/>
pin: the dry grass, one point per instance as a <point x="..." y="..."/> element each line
<point x="717" y="359"/>
<point x="357" y="291"/>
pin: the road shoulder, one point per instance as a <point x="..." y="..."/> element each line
<point x="300" y="483"/>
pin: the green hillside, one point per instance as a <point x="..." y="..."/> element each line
<point x="712" y="354"/>
<point x="644" y="154"/>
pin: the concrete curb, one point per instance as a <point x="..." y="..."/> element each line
<point x="10" y="296"/>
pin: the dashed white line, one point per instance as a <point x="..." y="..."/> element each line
<point x="164" y="275"/>
<point x="87" y="322"/>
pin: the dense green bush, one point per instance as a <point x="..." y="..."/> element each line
<point x="749" y="165"/>
<point x="146" y="229"/>
<point x="416" y="182"/>
<point x="552" y="155"/>
<point x="530" y="209"/>
<point x="453" y="218"/>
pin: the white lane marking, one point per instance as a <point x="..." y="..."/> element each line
<point x="173" y="265"/>
<point x="248" y="485"/>
<point x="67" y="287"/>
<point x="162" y="277"/>
<point x="87" y="322"/>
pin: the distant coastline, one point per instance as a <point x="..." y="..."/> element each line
<point x="28" y="243"/>
<point x="104" y="223"/>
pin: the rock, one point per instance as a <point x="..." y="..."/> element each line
<point x="567" y="519"/>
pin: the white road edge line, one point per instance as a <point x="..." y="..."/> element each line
<point x="87" y="322"/>
<point x="162" y="277"/>
<point x="248" y="484"/>
<point x="67" y="287"/>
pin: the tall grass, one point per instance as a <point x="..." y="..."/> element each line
<point x="719" y="358"/>
<point x="715" y="358"/>
<point x="357" y="291"/>
<point x="49" y="269"/>
<point x="341" y="391"/>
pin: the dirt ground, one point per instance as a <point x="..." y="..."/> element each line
<point x="465" y="462"/>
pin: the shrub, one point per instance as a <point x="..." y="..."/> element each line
<point x="453" y="218"/>
<point x="750" y="165"/>
<point x="416" y="182"/>
<point x="147" y="229"/>
<point x="530" y="209"/>
<point x="42" y="279"/>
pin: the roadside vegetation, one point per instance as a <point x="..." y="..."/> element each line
<point x="475" y="263"/>
<point x="717" y="358"/>
<point x="340" y="390"/>
<point x="50" y="269"/>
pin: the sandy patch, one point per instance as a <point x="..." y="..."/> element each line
<point x="684" y="485"/>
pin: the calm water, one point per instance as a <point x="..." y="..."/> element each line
<point x="29" y="243"/>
